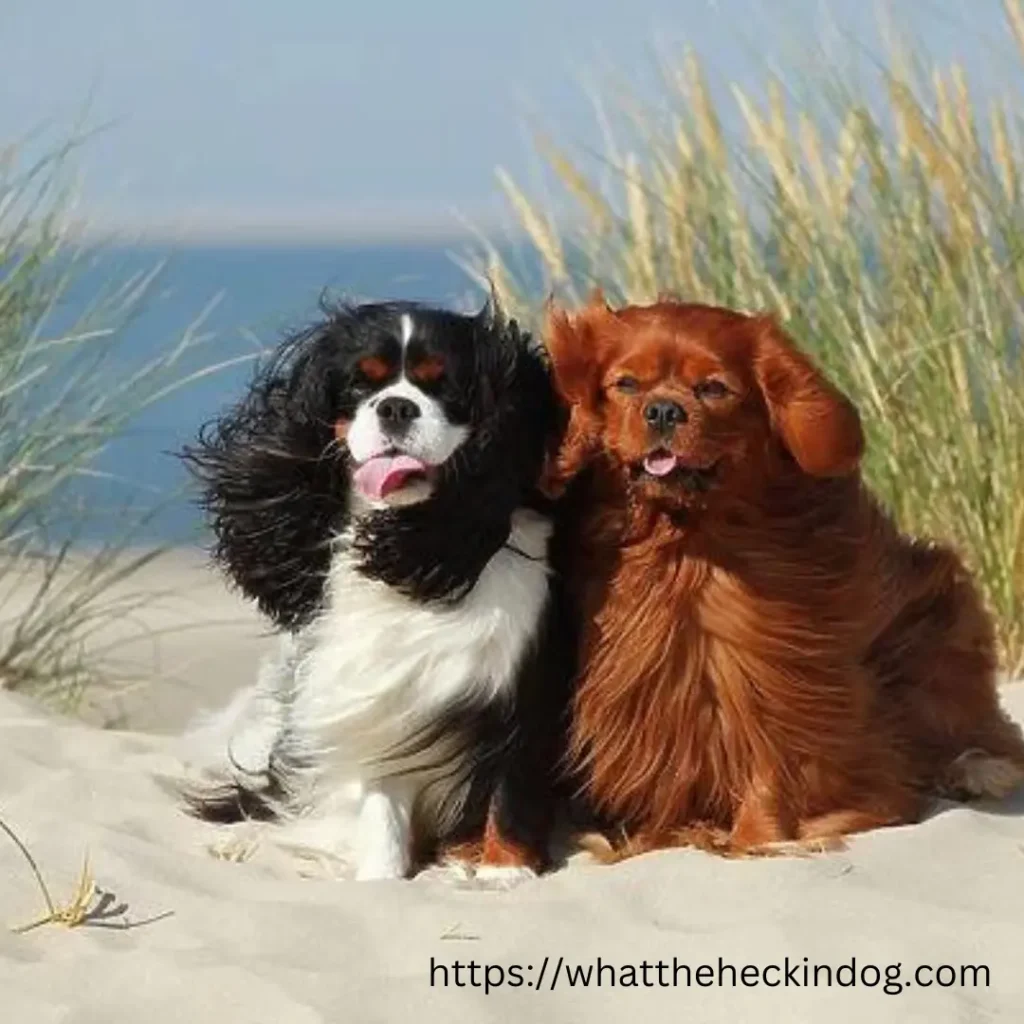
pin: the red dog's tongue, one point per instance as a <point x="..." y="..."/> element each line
<point x="660" y="463"/>
<point x="378" y="477"/>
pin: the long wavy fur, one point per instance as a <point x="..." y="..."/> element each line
<point x="275" y="482"/>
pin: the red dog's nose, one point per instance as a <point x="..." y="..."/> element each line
<point x="663" y="415"/>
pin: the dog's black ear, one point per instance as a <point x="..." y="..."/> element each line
<point x="514" y="408"/>
<point x="273" y="481"/>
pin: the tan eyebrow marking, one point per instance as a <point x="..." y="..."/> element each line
<point x="374" y="368"/>
<point x="429" y="370"/>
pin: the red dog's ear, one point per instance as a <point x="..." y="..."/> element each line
<point x="817" y="423"/>
<point x="577" y="346"/>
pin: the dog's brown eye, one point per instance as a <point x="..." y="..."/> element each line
<point x="710" y="389"/>
<point x="627" y="385"/>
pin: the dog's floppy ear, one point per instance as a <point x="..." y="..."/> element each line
<point x="270" y="479"/>
<point x="816" y="422"/>
<point x="579" y="344"/>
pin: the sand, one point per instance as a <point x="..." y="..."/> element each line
<point x="178" y="641"/>
<point x="183" y="936"/>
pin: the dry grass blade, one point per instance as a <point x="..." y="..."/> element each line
<point x="1015" y="19"/>
<point x="1003" y="155"/>
<point x="543" y="236"/>
<point x="708" y="125"/>
<point x="71" y="914"/>
<point x="644" y="283"/>
<point x="578" y="186"/>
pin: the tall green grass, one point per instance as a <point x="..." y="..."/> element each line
<point x="888" y="236"/>
<point x="63" y="395"/>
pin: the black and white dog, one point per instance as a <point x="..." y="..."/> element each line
<point x="374" y="494"/>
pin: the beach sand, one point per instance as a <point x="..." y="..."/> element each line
<point x="180" y="641"/>
<point x="183" y="936"/>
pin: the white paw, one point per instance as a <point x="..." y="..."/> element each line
<point x="495" y="876"/>
<point x="451" y="872"/>
<point x="378" y="875"/>
<point x="380" y="869"/>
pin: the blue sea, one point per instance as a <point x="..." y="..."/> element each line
<point x="257" y="293"/>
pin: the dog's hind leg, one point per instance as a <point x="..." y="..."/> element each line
<point x="978" y="774"/>
<point x="939" y="661"/>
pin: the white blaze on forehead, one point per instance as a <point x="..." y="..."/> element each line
<point x="407" y="329"/>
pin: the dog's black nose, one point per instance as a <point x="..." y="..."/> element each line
<point x="664" y="415"/>
<point x="396" y="413"/>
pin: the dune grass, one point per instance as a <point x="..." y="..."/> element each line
<point x="64" y="393"/>
<point x="888" y="237"/>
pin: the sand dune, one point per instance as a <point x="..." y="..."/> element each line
<point x="252" y="943"/>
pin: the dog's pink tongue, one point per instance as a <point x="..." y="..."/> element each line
<point x="378" y="477"/>
<point x="660" y="463"/>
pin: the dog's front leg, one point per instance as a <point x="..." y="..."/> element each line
<point x="383" y="847"/>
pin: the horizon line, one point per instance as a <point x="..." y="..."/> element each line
<point x="301" y="227"/>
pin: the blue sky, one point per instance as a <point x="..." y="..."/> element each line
<point x="386" y="116"/>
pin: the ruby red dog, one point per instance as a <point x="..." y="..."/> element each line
<point x="764" y="657"/>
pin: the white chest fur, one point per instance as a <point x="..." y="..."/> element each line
<point x="379" y="665"/>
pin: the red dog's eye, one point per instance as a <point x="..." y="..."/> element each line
<point x="628" y="385"/>
<point x="710" y="389"/>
